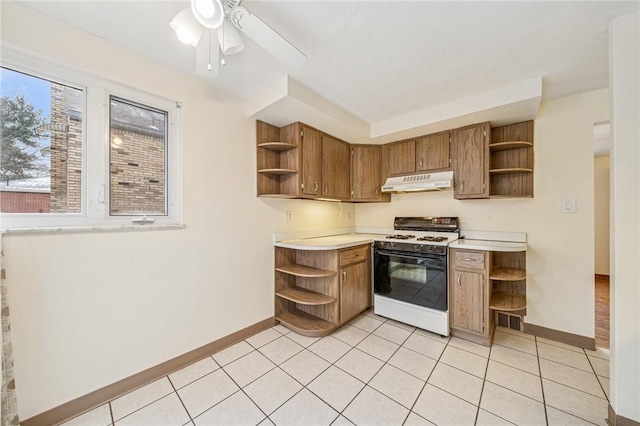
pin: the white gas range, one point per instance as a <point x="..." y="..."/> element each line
<point x="410" y="272"/>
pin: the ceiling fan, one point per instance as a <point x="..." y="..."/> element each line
<point x="211" y="26"/>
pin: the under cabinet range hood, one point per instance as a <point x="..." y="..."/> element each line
<point x="415" y="183"/>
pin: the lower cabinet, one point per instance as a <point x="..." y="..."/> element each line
<point x="319" y="290"/>
<point x="355" y="290"/>
<point x="470" y="293"/>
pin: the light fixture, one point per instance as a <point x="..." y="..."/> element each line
<point x="186" y="27"/>
<point x="229" y="39"/>
<point x="208" y="12"/>
<point x="116" y="142"/>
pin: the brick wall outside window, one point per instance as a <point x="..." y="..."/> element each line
<point x="24" y="202"/>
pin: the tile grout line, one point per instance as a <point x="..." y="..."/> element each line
<point x="113" y="422"/>
<point x="426" y="382"/>
<point x="544" y="400"/>
<point x="484" y="380"/>
<point x="180" y="399"/>
<point x="596" y="374"/>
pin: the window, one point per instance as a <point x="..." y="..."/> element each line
<point x="80" y="151"/>
<point x="137" y="159"/>
<point x="41" y="153"/>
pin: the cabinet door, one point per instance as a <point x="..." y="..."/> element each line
<point x="355" y="290"/>
<point x="468" y="301"/>
<point x="311" y="161"/>
<point x="470" y="161"/>
<point x="335" y="168"/>
<point x="365" y="172"/>
<point x="432" y="152"/>
<point x="402" y="158"/>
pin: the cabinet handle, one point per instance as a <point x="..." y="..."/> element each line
<point x="326" y="188"/>
<point x="315" y="186"/>
<point x="459" y="278"/>
<point x="468" y="259"/>
<point x="344" y="276"/>
<point x="421" y="162"/>
<point x="462" y="186"/>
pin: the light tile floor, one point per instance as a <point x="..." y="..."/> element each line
<point x="374" y="371"/>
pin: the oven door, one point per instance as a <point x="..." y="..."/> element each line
<point x="416" y="278"/>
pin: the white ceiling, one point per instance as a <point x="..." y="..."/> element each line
<point x="380" y="60"/>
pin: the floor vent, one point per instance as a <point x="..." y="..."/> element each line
<point x="509" y="320"/>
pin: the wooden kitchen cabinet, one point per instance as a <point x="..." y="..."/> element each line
<point x="511" y="161"/>
<point x="469" y="291"/>
<point x="278" y="160"/>
<point x="366" y="177"/>
<point x="432" y="152"/>
<point x="319" y="290"/>
<point x="355" y="281"/>
<point x="311" y="181"/>
<point x="401" y="158"/>
<point x="336" y="165"/>
<point x="470" y="161"/>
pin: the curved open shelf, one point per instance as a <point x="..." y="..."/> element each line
<point x="304" y="296"/>
<point x="278" y="171"/>
<point x="502" y="301"/>
<point x="305" y="324"/>
<point x="501" y="146"/>
<point x="510" y="170"/>
<point x="277" y="146"/>
<point x="305" y="271"/>
<point x="508" y="274"/>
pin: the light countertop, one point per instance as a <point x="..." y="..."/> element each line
<point x="488" y="245"/>
<point x="332" y="242"/>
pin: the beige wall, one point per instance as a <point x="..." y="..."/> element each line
<point x="560" y="258"/>
<point x="624" y="57"/>
<point x="90" y="309"/>
<point x="602" y="189"/>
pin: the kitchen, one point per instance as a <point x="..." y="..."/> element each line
<point x="73" y="304"/>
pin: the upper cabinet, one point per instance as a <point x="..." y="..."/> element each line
<point x="298" y="161"/>
<point x="511" y="164"/>
<point x="432" y="152"/>
<point x="366" y="173"/>
<point x="335" y="168"/>
<point x="470" y="161"/>
<point x="401" y="158"/>
<point x="278" y="160"/>
<point x="311" y="161"/>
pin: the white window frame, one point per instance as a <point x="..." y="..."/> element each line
<point x="95" y="148"/>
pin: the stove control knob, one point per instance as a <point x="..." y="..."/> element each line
<point x="417" y="247"/>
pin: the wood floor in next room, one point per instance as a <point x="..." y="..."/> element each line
<point x="602" y="311"/>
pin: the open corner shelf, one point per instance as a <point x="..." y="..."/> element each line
<point x="277" y="146"/>
<point x="503" y="301"/>
<point x="278" y="171"/>
<point x="304" y="296"/>
<point x="510" y="170"/>
<point x="502" y="146"/>
<point x="507" y="274"/>
<point x="305" y="324"/>
<point x="304" y="271"/>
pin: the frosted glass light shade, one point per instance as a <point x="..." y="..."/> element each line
<point x="230" y="39"/>
<point x="209" y="13"/>
<point x="186" y="27"/>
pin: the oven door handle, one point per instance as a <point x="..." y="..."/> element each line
<point x="404" y="256"/>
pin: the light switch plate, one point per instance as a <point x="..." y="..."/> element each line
<point x="568" y="205"/>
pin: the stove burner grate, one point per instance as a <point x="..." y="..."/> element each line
<point x="400" y="237"/>
<point x="433" y="239"/>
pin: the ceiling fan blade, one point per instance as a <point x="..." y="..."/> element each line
<point x="208" y="55"/>
<point x="267" y="37"/>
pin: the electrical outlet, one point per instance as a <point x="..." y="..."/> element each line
<point x="289" y="216"/>
<point x="568" y="205"/>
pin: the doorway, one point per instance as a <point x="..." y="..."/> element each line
<point x="602" y="192"/>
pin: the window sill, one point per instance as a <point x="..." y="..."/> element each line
<point x="88" y="229"/>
